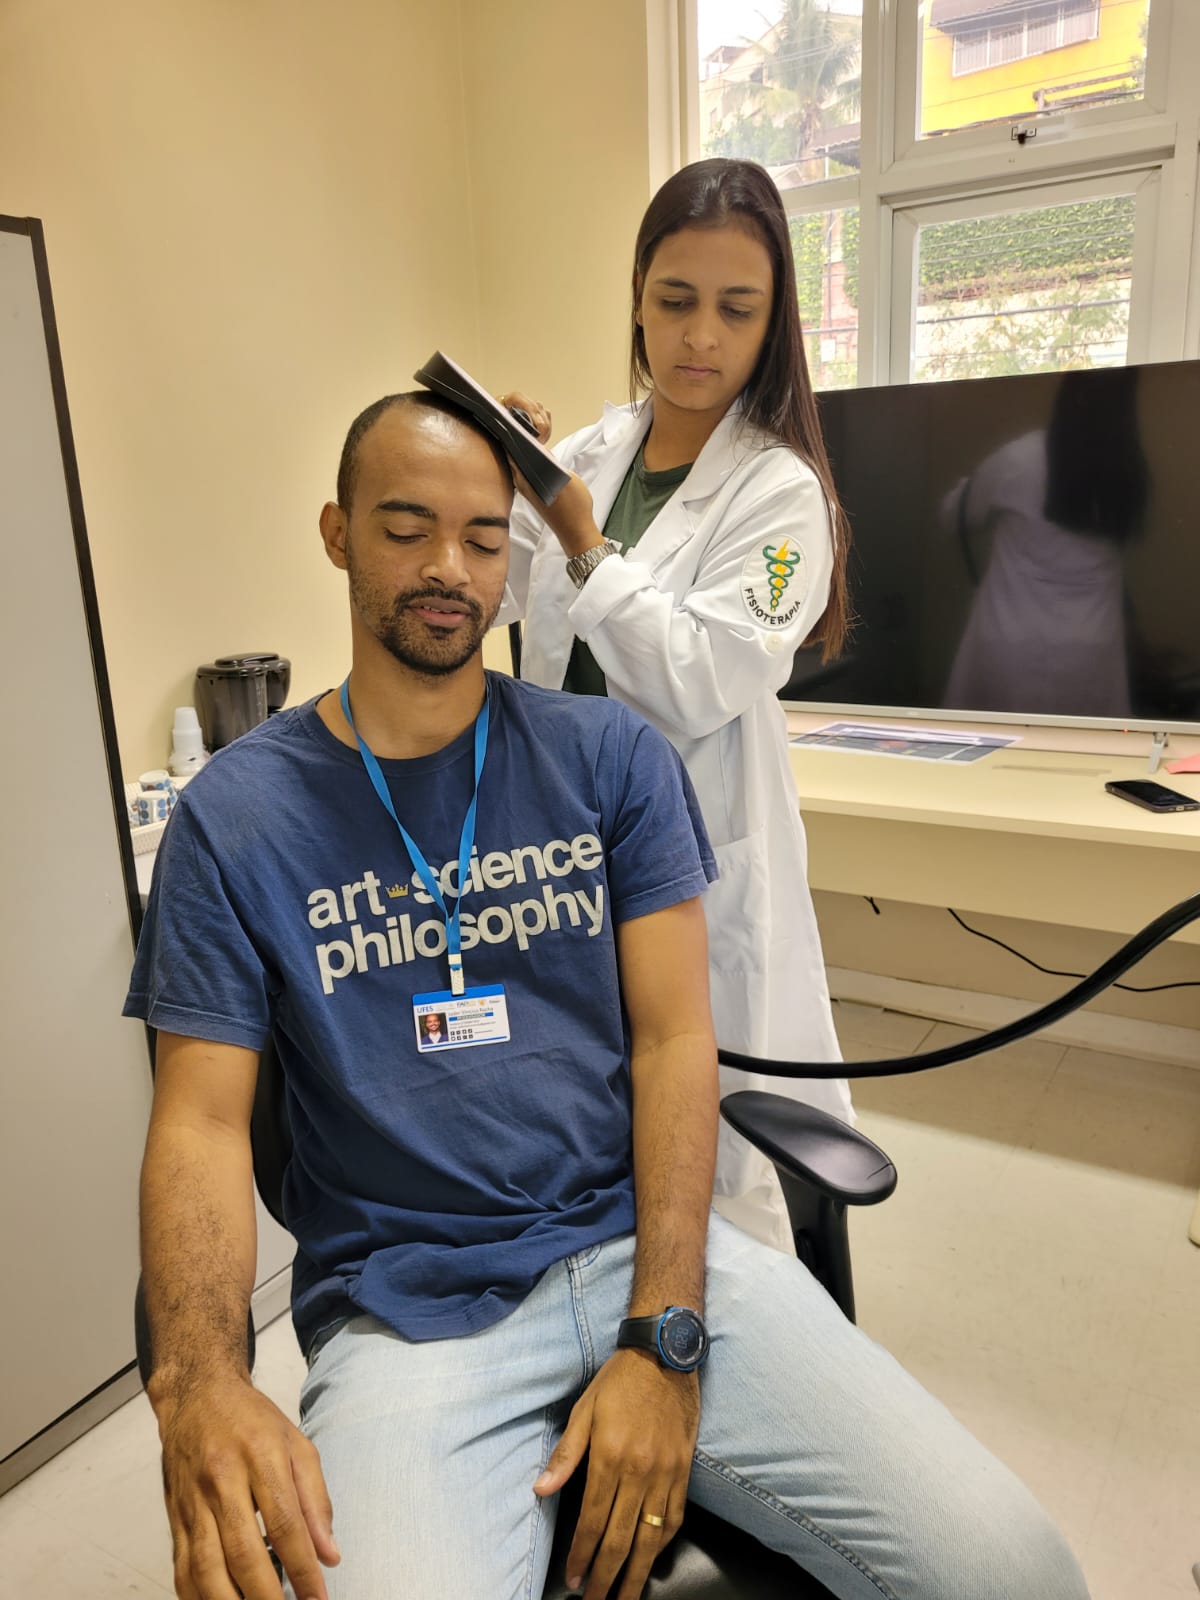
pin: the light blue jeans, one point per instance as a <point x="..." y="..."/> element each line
<point x="811" y="1437"/>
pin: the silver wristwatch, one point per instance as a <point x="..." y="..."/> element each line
<point x="580" y="568"/>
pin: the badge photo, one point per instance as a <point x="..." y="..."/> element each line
<point x="774" y="583"/>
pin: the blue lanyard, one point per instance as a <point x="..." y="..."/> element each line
<point x="465" y="843"/>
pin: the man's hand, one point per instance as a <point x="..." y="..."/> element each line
<point x="639" y="1422"/>
<point x="229" y="1452"/>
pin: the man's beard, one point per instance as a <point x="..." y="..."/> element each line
<point x="433" y="652"/>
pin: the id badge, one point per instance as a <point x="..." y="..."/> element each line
<point x="447" y="1021"/>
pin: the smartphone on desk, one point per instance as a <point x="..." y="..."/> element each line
<point x="1152" y="796"/>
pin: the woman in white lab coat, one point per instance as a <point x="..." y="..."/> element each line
<point x="732" y="554"/>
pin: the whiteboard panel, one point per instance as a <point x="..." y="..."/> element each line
<point x="75" y="1082"/>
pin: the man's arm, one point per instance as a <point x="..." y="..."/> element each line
<point x="664" y="979"/>
<point x="227" y="1450"/>
<point x="638" y="1419"/>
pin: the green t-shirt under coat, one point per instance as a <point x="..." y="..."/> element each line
<point x="639" y="500"/>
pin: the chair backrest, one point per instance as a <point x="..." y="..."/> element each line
<point x="270" y="1132"/>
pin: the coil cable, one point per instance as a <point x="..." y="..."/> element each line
<point x="1130" y="953"/>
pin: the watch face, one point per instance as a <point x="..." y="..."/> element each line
<point x="682" y="1339"/>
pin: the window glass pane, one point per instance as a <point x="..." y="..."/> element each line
<point x="825" y="247"/>
<point x="1025" y="291"/>
<point x="987" y="61"/>
<point x="781" y="83"/>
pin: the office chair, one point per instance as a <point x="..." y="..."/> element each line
<point x="823" y="1165"/>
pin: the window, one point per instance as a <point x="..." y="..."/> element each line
<point x="989" y="61"/>
<point x="974" y="186"/>
<point x="1024" y="291"/>
<point x="780" y="83"/>
<point x="825" y="250"/>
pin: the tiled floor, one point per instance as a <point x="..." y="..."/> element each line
<point x="1033" y="1269"/>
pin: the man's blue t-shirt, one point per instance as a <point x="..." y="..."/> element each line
<point x="431" y="1188"/>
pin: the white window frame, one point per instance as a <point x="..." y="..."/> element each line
<point x="900" y="173"/>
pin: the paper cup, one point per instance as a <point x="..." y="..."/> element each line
<point x="152" y="805"/>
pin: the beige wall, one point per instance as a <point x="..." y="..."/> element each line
<point x="260" y="214"/>
<point x="557" y="149"/>
<point x="257" y="220"/>
<point x="557" y="138"/>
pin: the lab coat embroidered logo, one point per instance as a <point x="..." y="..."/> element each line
<point x="774" y="583"/>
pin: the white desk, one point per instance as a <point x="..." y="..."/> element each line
<point x="1025" y="832"/>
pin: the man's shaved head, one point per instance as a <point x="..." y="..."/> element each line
<point x="421" y="399"/>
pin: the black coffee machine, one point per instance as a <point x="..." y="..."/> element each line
<point x="236" y="693"/>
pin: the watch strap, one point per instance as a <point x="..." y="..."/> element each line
<point x="581" y="567"/>
<point x="639" y="1333"/>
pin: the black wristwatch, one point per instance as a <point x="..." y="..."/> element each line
<point x="678" y="1338"/>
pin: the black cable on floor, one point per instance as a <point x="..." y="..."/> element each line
<point x="1133" y="951"/>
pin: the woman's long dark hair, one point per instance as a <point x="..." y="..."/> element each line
<point x="779" y="396"/>
<point x="1097" y="478"/>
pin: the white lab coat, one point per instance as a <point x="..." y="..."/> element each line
<point x="674" y="630"/>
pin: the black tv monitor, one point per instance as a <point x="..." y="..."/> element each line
<point x="1025" y="549"/>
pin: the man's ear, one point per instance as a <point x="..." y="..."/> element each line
<point x="332" y="523"/>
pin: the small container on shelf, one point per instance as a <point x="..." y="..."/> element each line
<point x="188" y="754"/>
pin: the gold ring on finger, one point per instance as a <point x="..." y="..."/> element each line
<point x="652" y="1520"/>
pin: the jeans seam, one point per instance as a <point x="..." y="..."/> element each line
<point x="581" y="1323"/>
<point x="719" y="1469"/>
<point x="539" y="1510"/>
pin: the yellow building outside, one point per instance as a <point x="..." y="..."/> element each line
<point x="991" y="60"/>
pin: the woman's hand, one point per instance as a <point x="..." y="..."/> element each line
<point x="570" y="517"/>
<point x="533" y="409"/>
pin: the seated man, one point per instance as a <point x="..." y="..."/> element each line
<point x="477" y="1216"/>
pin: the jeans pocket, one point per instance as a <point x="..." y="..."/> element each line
<point x="321" y="1338"/>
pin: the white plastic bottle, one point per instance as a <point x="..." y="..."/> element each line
<point x="188" y="754"/>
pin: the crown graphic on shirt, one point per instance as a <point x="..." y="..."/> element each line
<point x="396" y="891"/>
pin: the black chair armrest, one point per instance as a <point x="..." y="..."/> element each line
<point x="812" y="1146"/>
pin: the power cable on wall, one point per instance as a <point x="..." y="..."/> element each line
<point x="1163" y="927"/>
<point x="1052" y="972"/>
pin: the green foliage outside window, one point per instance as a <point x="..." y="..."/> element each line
<point x="1027" y="250"/>
<point x="1071" y="243"/>
<point x="850" y="244"/>
<point x="810" y="249"/>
